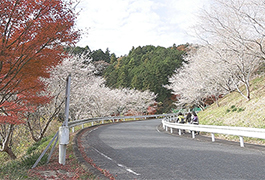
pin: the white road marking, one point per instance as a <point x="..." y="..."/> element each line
<point x="120" y="165"/>
<point x="131" y="171"/>
<point x="103" y="154"/>
<point x="93" y="130"/>
<point x="157" y="129"/>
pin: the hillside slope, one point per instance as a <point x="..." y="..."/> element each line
<point x="234" y="110"/>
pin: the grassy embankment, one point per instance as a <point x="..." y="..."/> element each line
<point x="28" y="151"/>
<point x="234" y="110"/>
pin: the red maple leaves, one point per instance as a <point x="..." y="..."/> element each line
<point x="31" y="42"/>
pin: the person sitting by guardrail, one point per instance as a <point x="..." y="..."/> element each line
<point x="195" y="120"/>
<point x="188" y="120"/>
<point x="181" y="119"/>
<point x="188" y="117"/>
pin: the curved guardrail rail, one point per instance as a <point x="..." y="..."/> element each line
<point x="236" y="131"/>
<point x="63" y="134"/>
<point x="115" y="118"/>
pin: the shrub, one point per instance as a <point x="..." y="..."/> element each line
<point x="28" y="161"/>
<point x="240" y="109"/>
<point x="38" y="144"/>
<point x="233" y="108"/>
<point x="17" y="169"/>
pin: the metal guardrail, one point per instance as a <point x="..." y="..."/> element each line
<point x="115" y="118"/>
<point x="63" y="136"/>
<point x="236" y="131"/>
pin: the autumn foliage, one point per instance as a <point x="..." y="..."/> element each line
<point x="33" y="33"/>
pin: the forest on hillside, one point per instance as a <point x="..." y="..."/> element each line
<point x="144" y="68"/>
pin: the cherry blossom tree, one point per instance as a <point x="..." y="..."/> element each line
<point x="39" y="120"/>
<point x="234" y="22"/>
<point x="195" y="81"/>
<point x="213" y="70"/>
<point x="232" y="33"/>
<point x="239" y="64"/>
<point x="235" y="35"/>
<point x="89" y="97"/>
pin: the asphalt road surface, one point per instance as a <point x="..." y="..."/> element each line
<point x="138" y="150"/>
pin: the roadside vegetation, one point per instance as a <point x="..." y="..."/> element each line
<point x="233" y="110"/>
<point x="30" y="152"/>
<point x="27" y="153"/>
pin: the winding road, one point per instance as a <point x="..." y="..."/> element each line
<point x="139" y="150"/>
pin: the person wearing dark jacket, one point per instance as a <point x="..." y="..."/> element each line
<point x="188" y="117"/>
<point x="195" y="120"/>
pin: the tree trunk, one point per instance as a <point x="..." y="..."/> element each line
<point x="248" y="91"/>
<point x="9" y="151"/>
<point x="217" y="102"/>
<point x="7" y="130"/>
<point x="247" y="96"/>
<point x="201" y="107"/>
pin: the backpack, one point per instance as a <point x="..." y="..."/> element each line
<point x="181" y="120"/>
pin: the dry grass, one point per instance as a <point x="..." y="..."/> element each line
<point x="234" y="110"/>
<point x="71" y="170"/>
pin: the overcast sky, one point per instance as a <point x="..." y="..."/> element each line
<point x="121" y="24"/>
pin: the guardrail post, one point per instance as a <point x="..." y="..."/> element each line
<point x="179" y="131"/>
<point x="241" y="141"/>
<point x="64" y="130"/>
<point x="102" y="122"/>
<point x="73" y="129"/>
<point x="171" y="130"/>
<point x="63" y="141"/>
<point x="213" y="138"/>
<point x="193" y="134"/>
<point x="92" y="124"/>
<point x="166" y="128"/>
<point x="82" y="126"/>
